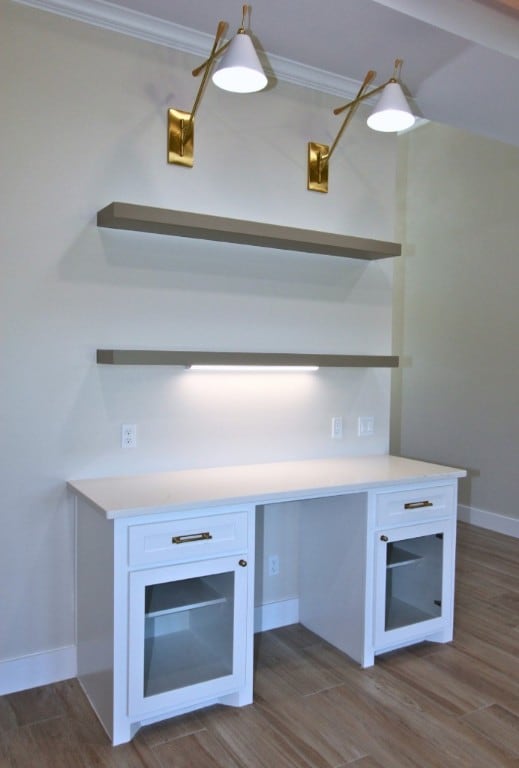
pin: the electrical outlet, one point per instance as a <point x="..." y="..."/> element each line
<point x="129" y="436"/>
<point x="366" y="426"/>
<point x="273" y="565"/>
<point x="337" y="427"/>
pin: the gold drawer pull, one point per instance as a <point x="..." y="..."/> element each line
<point x="417" y="504"/>
<point x="185" y="538"/>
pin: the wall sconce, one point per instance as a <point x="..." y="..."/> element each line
<point x="392" y="113"/>
<point x="239" y="71"/>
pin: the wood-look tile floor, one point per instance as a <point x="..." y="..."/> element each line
<point x="429" y="706"/>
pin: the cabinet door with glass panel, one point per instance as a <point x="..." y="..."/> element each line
<point x="414" y="584"/>
<point x="187" y="633"/>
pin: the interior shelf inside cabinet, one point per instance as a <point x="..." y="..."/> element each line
<point x="175" y="596"/>
<point x="400" y="556"/>
<point x="162" y="221"/>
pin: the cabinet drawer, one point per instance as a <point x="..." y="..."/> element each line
<point x="190" y="538"/>
<point x="414" y="506"/>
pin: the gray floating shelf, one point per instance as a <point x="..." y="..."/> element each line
<point x="186" y="359"/>
<point x="163" y="221"/>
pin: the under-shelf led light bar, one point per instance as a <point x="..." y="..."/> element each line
<point x="254" y="368"/>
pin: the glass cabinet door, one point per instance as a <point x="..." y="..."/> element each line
<point x="413" y="580"/>
<point x="187" y="632"/>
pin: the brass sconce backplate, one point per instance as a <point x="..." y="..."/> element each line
<point x="181" y="129"/>
<point x="318" y="166"/>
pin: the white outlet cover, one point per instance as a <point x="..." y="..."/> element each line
<point x="128" y="435"/>
<point x="337" y="427"/>
<point x="366" y="426"/>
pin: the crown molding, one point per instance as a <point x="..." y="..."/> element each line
<point x="106" y="15"/>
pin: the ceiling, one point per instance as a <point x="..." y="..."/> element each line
<point x="461" y="57"/>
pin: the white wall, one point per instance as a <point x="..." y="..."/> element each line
<point x="457" y="315"/>
<point x="83" y="124"/>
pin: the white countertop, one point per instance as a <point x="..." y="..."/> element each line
<point x="130" y="495"/>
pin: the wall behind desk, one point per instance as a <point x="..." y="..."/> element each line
<point x="84" y="123"/>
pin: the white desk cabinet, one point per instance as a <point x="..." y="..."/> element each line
<point x="165" y="613"/>
<point x="414" y="541"/>
<point x="165" y="574"/>
<point x="377" y="568"/>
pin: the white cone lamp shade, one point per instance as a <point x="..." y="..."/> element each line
<point x="240" y="69"/>
<point x="392" y="112"/>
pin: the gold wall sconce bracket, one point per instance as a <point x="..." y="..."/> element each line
<point x="319" y="154"/>
<point x="318" y="166"/>
<point x="181" y="125"/>
<point x="181" y="130"/>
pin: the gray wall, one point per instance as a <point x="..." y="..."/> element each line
<point x="456" y="396"/>
<point x="83" y="124"/>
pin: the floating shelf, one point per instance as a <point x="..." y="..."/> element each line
<point x="186" y="359"/>
<point x="162" y="221"/>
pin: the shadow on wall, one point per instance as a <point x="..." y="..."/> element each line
<point x="165" y="263"/>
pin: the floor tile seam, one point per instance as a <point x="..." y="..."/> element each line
<point x="324" y="689"/>
<point x="494" y="644"/>
<point x="484" y="707"/>
<point x="21" y="726"/>
<point x="170" y="739"/>
<point x="488" y="737"/>
<point x="513" y="713"/>
<point x="421" y="704"/>
<point x="222" y="742"/>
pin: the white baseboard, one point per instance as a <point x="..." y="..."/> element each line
<point x="61" y="664"/>
<point x="272" y="615"/>
<point x="37" y="669"/>
<point x="509" y="526"/>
